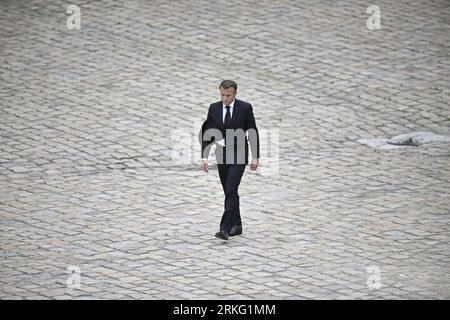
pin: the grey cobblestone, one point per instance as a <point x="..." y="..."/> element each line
<point x="87" y="178"/>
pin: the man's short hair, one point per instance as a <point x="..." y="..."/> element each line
<point x="228" y="84"/>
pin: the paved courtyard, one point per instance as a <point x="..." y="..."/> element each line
<point x="101" y="192"/>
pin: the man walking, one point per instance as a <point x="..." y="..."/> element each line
<point x="228" y="123"/>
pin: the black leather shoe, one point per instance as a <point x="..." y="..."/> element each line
<point x="222" y="234"/>
<point x="235" y="230"/>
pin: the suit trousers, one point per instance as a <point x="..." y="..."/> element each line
<point x="230" y="177"/>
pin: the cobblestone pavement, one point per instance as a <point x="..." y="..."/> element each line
<point x="96" y="202"/>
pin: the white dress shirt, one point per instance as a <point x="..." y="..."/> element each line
<point x="224" y="111"/>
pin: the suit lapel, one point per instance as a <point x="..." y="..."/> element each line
<point x="235" y="113"/>
<point x="219" y="116"/>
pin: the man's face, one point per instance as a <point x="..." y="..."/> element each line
<point x="227" y="95"/>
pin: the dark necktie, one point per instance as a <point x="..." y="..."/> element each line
<point x="227" y="122"/>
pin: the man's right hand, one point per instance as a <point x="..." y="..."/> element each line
<point x="204" y="165"/>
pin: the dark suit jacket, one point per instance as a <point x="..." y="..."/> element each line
<point x="243" y="119"/>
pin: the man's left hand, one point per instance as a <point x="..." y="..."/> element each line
<point x="254" y="164"/>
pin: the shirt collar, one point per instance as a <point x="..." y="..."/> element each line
<point x="231" y="104"/>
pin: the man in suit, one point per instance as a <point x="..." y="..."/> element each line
<point x="228" y="124"/>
